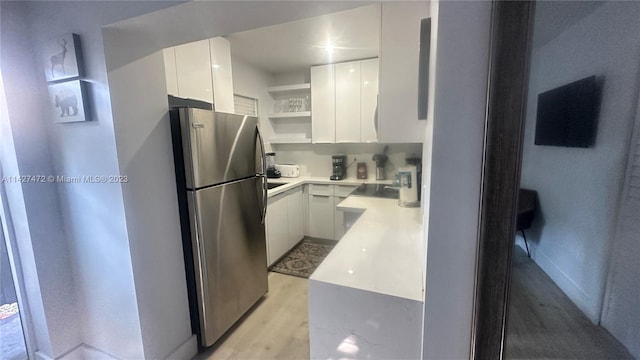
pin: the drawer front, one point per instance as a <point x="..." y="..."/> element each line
<point x="343" y="190"/>
<point x="320" y="189"/>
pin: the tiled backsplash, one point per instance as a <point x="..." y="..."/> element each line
<point x="315" y="159"/>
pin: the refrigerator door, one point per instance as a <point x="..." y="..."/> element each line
<point x="217" y="147"/>
<point x="229" y="249"/>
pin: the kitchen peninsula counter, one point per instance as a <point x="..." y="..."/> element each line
<point x="382" y="252"/>
<point x="366" y="298"/>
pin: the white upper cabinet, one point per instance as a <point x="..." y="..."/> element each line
<point x="369" y="100"/>
<point x="170" y="71"/>
<point x="399" y="58"/>
<point x="323" y="104"/>
<point x="347" y="79"/>
<point x="201" y="70"/>
<point x="221" y="74"/>
<point x="193" y="64"/>
<point x="344" y="102"/>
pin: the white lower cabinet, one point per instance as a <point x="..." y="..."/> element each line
<point x="285" y="223"/>
<point x="277" y="228"/>
<point x="295" y="216"/>
<point x="325" y="221"/>
<point x="321" y="216"/>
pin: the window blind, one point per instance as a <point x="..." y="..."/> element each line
<point x="245" y="105"/>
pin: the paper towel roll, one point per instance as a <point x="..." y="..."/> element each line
<point x="408" y="186"/>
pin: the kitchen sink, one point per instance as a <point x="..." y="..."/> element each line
<point x="273" y="186"/>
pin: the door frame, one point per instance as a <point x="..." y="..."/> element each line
<point x="8" y="235"/>
<point x="510" y="50"/>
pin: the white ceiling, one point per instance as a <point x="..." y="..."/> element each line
<point x="296" y="45"/>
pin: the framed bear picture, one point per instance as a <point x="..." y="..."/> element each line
<point x="68" y="101"/>
<point x="63" y="58"/>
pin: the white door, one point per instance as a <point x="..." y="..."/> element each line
<point x="348" y="102"/>
<point x="193" y="66"/>
<point x="323" y="104"/>
<point x="369" y="100"/>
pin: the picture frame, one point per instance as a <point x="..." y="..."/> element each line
<point x="68" y="101"/>
<point x="62" y="58"/>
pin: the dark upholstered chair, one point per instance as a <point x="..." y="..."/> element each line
<point x="527" y="203"/>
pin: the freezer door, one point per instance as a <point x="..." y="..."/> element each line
<point x="229" y="252"/>
<point x="217" y="147"/>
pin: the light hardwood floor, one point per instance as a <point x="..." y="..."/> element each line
<point x="277" y="328"/>
<point x="545" y="324"/>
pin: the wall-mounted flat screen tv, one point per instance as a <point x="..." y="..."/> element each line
<point x="568" y="115"/>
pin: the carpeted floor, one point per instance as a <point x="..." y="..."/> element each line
<point x="304" y="258"/>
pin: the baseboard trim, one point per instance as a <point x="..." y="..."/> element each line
<point x="42" y="356"/>
<point x="577" y="295"/>
<point x="186" y="351"/>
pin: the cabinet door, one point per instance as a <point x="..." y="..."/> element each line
<point x="221" y="74"/>
<point x="399" y="61"/>
<point x="323" y="104"/>
<point x="348" y="102"/>
<point x="321" y="216"/>
<point x="369" y="100"/>
<point x="170" y="71"/>
<point x="277" y="228"/>
<point x="193" y="66"/>
<point x="295" y="217"/>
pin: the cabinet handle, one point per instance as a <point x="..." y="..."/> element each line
<point x="375" y="115"/>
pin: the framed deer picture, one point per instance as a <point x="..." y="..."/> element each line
<point x="63" y="58"/>
<point x="67" y="101"/>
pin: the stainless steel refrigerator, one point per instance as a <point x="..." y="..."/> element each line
<point x="222" y="191"/>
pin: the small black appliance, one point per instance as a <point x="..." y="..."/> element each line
<point x="339" y="167"/>
<point x="272" y="172"/>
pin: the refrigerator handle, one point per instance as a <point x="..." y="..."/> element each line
<point x="263" y="175"/>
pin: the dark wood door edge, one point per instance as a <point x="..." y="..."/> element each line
<point x="512" y="28"/>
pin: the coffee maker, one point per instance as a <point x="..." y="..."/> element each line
<point x="339" y="167"/>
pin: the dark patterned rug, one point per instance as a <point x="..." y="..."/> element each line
<point x="304" y="258"/>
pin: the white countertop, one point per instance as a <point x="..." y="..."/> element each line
<point x="293" y="182"/>
<point x="382" y="252"/>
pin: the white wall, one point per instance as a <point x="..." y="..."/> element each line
<point x="579" y="189"/>
<point x="34" y="207"/>
<point x="315" y="160"/>
<point x="296" y="77"/>
<point x="463" y="34"/>
<point x="621" y="310"/>
<point x="143" y="136"/>
<point x="253" y="82"/>
<point x="93" y="215"/>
